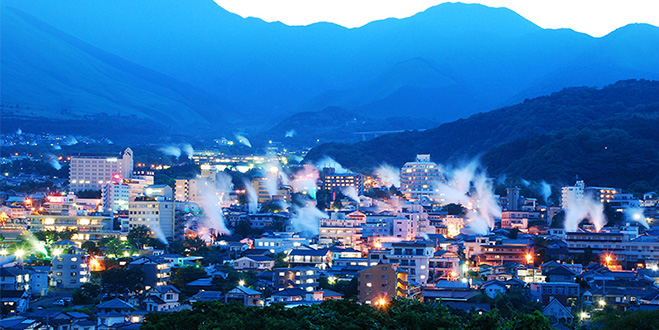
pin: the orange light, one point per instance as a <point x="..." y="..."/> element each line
<point x="382" y="303"/>
<point x="529" y="258"/>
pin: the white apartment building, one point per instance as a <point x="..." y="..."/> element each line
<point x="69" y="271"/>
<point x="418" y="179"/>
<point x="414" y="258"/>
<point x="155" y="210"/>
<point x="115" y="196"/>
<point x="92" y="171"/>
<point x="572" y="194"/>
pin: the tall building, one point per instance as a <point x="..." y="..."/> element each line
<point x="419" y="179"/>
<point x="413" y="257"/>
<point x="512" y="199"/>
<point x="115" y="196"/>
<point x="137" y="184"/>
<point x="92" y="171"/>
<point x="155" y="210"/>
<point x="333" y="181"/>
<point x="572" y="193"/>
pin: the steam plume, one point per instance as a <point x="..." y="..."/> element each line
<point x="187" y="149"/>
<point x="636" y="214"/>
<point x="389" y="175"/>
<point x="171" y="151"/>
<point x="290" y="133"/>
<point x="252" y="197"/>
<point x="331" y="163"/>
<point x="243" y="140"/>
<point x="306" y="220"/>
<point x="584" y="208"/>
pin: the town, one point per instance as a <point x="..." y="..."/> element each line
<point x="111" y="243"/>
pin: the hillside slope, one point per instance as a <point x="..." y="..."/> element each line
<point x="605" y="135"/>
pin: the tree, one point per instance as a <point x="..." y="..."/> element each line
<point x="90" y="247"/>
<point x="454" y="209"/>
<point x="123" y="281"/>
<point x="139" y="236"/>
<point x="186" y="275"/>
<point x="87" y="294"/>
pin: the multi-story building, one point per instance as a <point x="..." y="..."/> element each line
<point x="340" y="228"/>
<point x="280" y="242"/>
<point x="499" y="254"/>
<point x="69" y="271"/>
<point x="597" y="242"/>
<point x="572" y="194"/>
<point x="419" y="179"/>
<point x="155" y="211"/>
<point x="305" y="278"/>
<point x="305" y="256"/>
<point x="337" y="182"/>
<point x="115" y="196"/>
<point x="444" y="266"/>
<point x="381" y="283"/>
<point x="414" y="258"/>
<point x="88" y="227"/>
<point x="156" y="270"/>
<point x="519" y="219"/>
<point x="92" y="171"/>
<point x="623" y="202"/>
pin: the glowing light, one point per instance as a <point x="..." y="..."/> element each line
<point x="608" y="259"/>
<point x="655" y="268"/>
<point x="382" y="303"/>
<point x="4" y="252"/>
<point x="57" y="252"/>
<point x="529" y="258"/>
<point x="241" y="283"/>
<point x="464" y="280"/>
<point x="19" y="253"/>
<point x="602" y="303"/>
<point x="584" y="315"/>
<point x="453" y="274"/>
<point x="377" y="245"/>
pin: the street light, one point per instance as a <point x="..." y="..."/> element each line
<point x="241" y="283"/>
<point x="602" y="302"/>
<point x="529" y="258"/>
<point x="19" y="253"/>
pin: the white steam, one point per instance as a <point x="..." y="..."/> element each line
<point x="584" y="208"/>
<point x="329" y="162"/>
<point x="57" y="147"/>
<point x="52" y="160"/>
<point x="187" y="149"/>
<point x="306" y="220"/>
<point x="304" y="181"/>
<point x="173" y="151"/>
<point x="351" y="192"/>
<point x="545" y="190"/>
<point x="388" y="175"/>
<point x="290" y="133"/>
<point x="243" y="140"/>
<point x="252" y="197"/>
<point x="636" y="214"/>
<point x="19" y="131"/>
<point x="212" y="198"/>
<point x="480" y="200"/>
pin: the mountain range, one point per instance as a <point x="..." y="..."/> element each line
<point x="605" y="136"/>
<point x="190" y="67"/>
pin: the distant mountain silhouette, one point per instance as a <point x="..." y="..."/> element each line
<point x="448" y="62"/>
<point x="606" y="136"/>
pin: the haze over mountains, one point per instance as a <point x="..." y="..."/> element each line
<point x="189" y="64"/>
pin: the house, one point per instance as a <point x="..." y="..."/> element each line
<point x="305" y="256"/>
<point x="157" y="271"/>
<point x="14" y="301"/>
<point x="245" y="295"/>
<point x="14" y="278"/>
<point x="254" y="262"/>
<point x="557" y="313"/>
<point x="112" y="312"/>
<point x="207" y="296"/>
<point x="566" y="293"/>
<point x="493" y="288"/>
<point x="305" y="278"/>
<point x="467" y="306"/>
<point x="288" y="295"/>
<point x="559" y="274"/>
<point x="161" y="298"/>
<point x="331" y="295"/>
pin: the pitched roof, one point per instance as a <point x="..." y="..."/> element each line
<point x="257" y="258"/>
<point x="245" y="290"/>
<point x="207" y="281"/>
<point x="115" y="303"/>
<point x="207" y="296"/>
<point x="560" y="270"/>
<point x="290" y="292"/>
<point x="64" y="242"/>
<point x="165" y="288"/>
<point x="155" y="299"/>
<point x="307" y="252"/>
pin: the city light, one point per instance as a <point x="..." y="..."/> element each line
<point x="19" y="253"/>
<point x="3" y="252"/>
<point x="602" y="303"/>
<point x="529" y="258"/>
<point x="57" y="252"/>
<point x="381" y="303"/>
<point x="241" y="283"/>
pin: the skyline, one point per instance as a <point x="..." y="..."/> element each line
<point x="546" y="14"/>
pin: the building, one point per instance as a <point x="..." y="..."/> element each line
<point x="115" y="196"/>
<point x="244" y="295"/>
<point x="498" y="254"/>
<point x="305" y="256"/>
<point x="443" y="266"/>
<point x="340" y="229"/>
<point x="413" y="258"/>
<point x="259" y="263"/>
<point x="338" y="182"/>
<point x="161" y="298"/>
<point x="92" y="171"/>
<point x="155" y="211"/>
<point x="382" y="283"/>
<point x="156" y="270"/>
<point x="597" y="242"/>
<point x="512" y="199"/>
<point x="88" y="227"/>
<point x="419" y="179"/>
<point x="69" y="271"/>
<point x="557" y="313"/>
<point x="305" y="278"/>
<point x="278" y="242"/>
